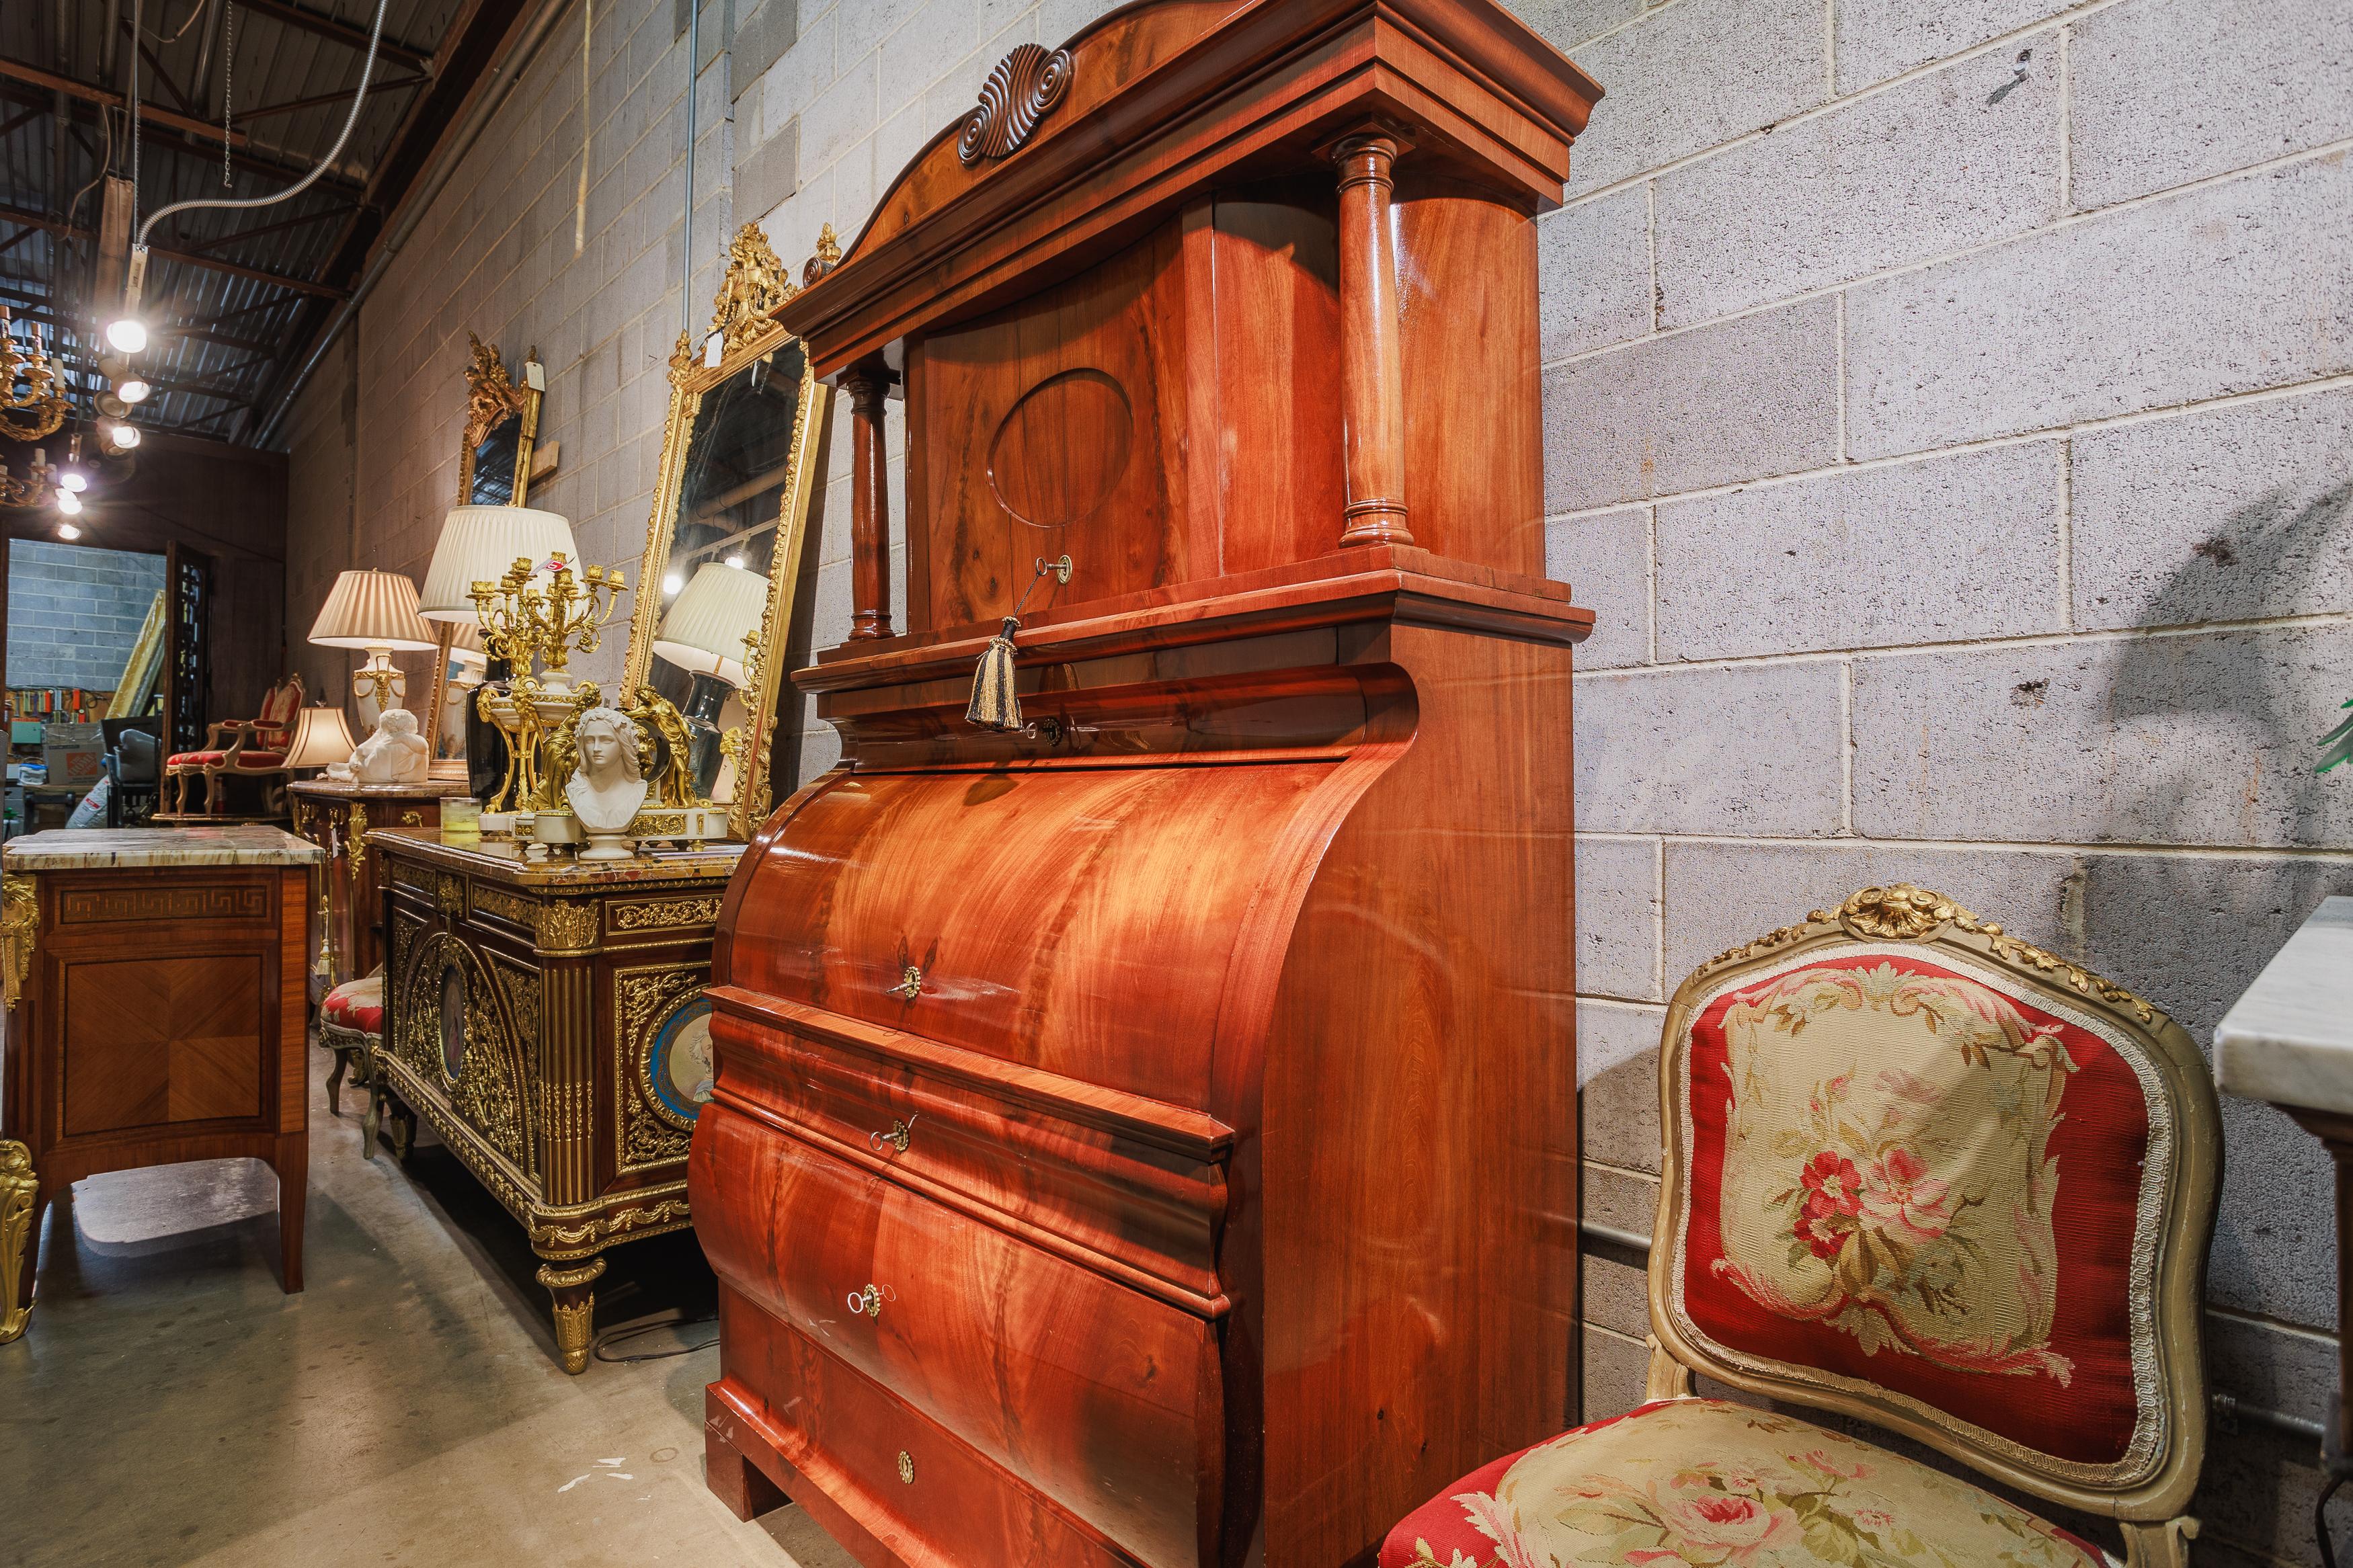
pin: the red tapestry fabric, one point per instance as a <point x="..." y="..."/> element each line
<point x="1702" y="1483"/>
<point x="356" y="1005"/>
<point x="1903" y="1175"/>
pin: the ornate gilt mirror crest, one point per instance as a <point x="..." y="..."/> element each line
<point x="495" y="459"/>
<point x="723" y="549"/>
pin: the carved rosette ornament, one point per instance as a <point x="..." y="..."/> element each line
<point x="1026" y="85"/>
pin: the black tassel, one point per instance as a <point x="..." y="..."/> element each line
<point x="995" y="704"/>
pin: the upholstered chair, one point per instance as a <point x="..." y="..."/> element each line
<point x="242" y="748"/>
<point x="351" y="1026"/>
<point x="1918" y="1175"/>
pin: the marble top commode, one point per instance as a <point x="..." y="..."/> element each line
<point x="2289" y="1040"/>
<point x="100" y="848"/>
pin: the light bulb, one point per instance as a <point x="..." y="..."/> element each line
<point x="68" y="502"/>
<point x="66" y="530"/>
<point x="134" y="391"/>
<point x="125" y="436"/>
<point x="672" y="584"/>
<point x="736" y="561"/>
<point x="127" y="333"/>
<point x="73" y="480"/>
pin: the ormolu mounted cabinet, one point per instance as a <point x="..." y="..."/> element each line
<point x="1148" y="1135"/>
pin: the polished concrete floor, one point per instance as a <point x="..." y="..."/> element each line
<point x="168" y="1405"/>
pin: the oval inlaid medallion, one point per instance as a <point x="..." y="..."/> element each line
<point x="1062" y="449"/>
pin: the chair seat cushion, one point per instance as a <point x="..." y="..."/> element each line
<point x="356" y="1005"/>
<point x="1707" y="1484"/>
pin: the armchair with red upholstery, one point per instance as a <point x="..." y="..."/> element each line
<point x="245" y="749"/>
<point x="1920" y="1174"/>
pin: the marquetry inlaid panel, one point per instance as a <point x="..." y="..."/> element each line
<point x="158" y="1040"/>
<point x="104" y="905"/>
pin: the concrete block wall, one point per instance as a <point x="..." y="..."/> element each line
<point x="1947" y="412"/>
<point x="508" y="250"/>
<point x="74" y="613"/>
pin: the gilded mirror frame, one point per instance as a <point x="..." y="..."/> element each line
<point x="741" y="333"/>
<point x="493" y="396"/>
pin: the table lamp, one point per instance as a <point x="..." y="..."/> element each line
<point x="322" y="736"/>
<point x="704" y="634"/>
<point x="478" y="544"/>
<point x="375" y="611"/>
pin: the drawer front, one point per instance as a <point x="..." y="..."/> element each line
<point x="1130" y="1188"/>
<point x="1106" y="1400"/>
<point x="924" y="1495"/>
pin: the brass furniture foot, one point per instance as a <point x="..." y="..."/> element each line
<point x="576" y="1308"/>
<point x="18" y="1189"/>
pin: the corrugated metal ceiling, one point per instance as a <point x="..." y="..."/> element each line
<point x="283" y="71"/>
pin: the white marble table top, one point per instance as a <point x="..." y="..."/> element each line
<point x="101" y="848"/>
<point x="2289" y="1040"/>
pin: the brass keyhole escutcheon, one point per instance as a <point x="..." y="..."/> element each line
<point x="897" y="1138"/>
<point x="911" y="984"/>
<point x="867" y="1302"/>
<point x="906" y="1468"/>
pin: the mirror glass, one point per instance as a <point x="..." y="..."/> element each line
<point x="493" y="482"/>
<point x="715" y="583"/>
<point x="494" y="455"/>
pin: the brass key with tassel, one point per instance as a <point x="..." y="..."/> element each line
<point x="995" y="704"/>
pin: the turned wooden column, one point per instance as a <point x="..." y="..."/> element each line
<point x="869" y="503"/>
<point x="1372" y="352"/>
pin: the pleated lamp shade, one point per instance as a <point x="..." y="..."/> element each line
<point x="478" y="544"/>
<point x="704" y="633"/>
<point x="322" y="736"/>
<point x="371" y="609"/>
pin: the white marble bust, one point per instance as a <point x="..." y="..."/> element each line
<point x="607" y="787"/>
<point x="394" y="755"/>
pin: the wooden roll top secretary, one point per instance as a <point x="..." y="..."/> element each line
<point x="1148" y="1136"/>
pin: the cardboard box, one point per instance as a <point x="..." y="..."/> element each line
<point x="74" y="754"/>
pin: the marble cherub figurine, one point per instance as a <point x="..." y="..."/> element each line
<point x="394" y="753"/>
<point x="607" y="786"/>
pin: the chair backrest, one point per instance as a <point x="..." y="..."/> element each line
<point x="278" y="708"/>
<point x="1922" y="1172"/>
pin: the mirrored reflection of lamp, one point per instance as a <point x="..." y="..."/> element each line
<point x="375" y="611"/>
<point x="703" y="634"/>
<point x="478" y="544"/>
<point x="462" y="674"/>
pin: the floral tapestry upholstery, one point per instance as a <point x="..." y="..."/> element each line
<point x="1915" y="1176"/>
<point x="1714" y="1485"/>
<point x="356" y="1005"/>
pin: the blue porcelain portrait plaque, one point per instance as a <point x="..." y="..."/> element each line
<point x="678" y="1062"/>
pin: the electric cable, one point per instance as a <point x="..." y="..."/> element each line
<point x="628" y="1331"/>
<point x="367" y="70"/>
